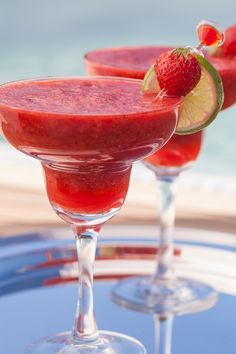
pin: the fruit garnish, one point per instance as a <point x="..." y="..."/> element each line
<point x="209" y="35"/>
<point x="185" y="72"/>
<point x="228" y="48"/>
<point x="178" y="71"/>
<point x="150" y="81"/>
<point x="203" y="103"/>
<point x="201" y="106"/>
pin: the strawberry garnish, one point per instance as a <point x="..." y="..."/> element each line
<point x="177" y="71"/>
<point x="229" y="46"/>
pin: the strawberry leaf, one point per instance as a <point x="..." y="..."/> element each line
<point x="182" y="51"/>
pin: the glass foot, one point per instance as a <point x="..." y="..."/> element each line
<point x="107" y="343"/>
<point x="179" y="296"/>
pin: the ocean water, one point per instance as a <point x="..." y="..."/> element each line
<point x="49" y="37"/>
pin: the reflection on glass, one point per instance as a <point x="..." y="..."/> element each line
<point x="163" y="326"/>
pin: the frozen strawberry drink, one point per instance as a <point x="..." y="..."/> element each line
<point x="87" y="132"/>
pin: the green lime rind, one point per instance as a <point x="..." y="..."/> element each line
<point x="201" y="106"/>
<point x="150" y="83"/>
<point x="209" y="68"/>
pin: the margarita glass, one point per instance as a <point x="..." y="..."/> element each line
<point x="86" y="132"/>
<point x="163" y="290"/>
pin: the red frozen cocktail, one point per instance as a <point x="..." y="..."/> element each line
<point x="133" y="62"/>
<point x="82" y="125"/>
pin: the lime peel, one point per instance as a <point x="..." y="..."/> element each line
<point x="201" y="106"/>
<point x="150" y="83"/>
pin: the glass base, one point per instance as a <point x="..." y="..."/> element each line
<point x="107" y="343"/>
<point x="178" y="296"/>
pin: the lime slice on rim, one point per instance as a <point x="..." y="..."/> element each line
<point x="150" y="82"/>
<point x="201" y="106"/>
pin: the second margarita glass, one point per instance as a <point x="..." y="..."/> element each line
<point x="149" y="294"/>
<point x="163" y="291"/>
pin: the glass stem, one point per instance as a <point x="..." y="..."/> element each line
<point x="85" y="326"/>
<point x="165" y="268"/>
<point x="163" y="333"/>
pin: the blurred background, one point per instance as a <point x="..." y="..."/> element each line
<point x="49" y="37"/>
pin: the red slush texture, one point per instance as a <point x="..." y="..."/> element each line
<point x="134" y="62"/>
<point x="89" y="123"/>
<point x="87" y="192"/>
<point x="179" y="151"/>
<point x="227" y="70"/>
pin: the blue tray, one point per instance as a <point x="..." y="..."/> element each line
<point x="38" y="289"/>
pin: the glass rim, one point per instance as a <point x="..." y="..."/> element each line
<point x="177" y="101"/>
<point x="117" y="68"/>
<point x="228" y="62"/>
